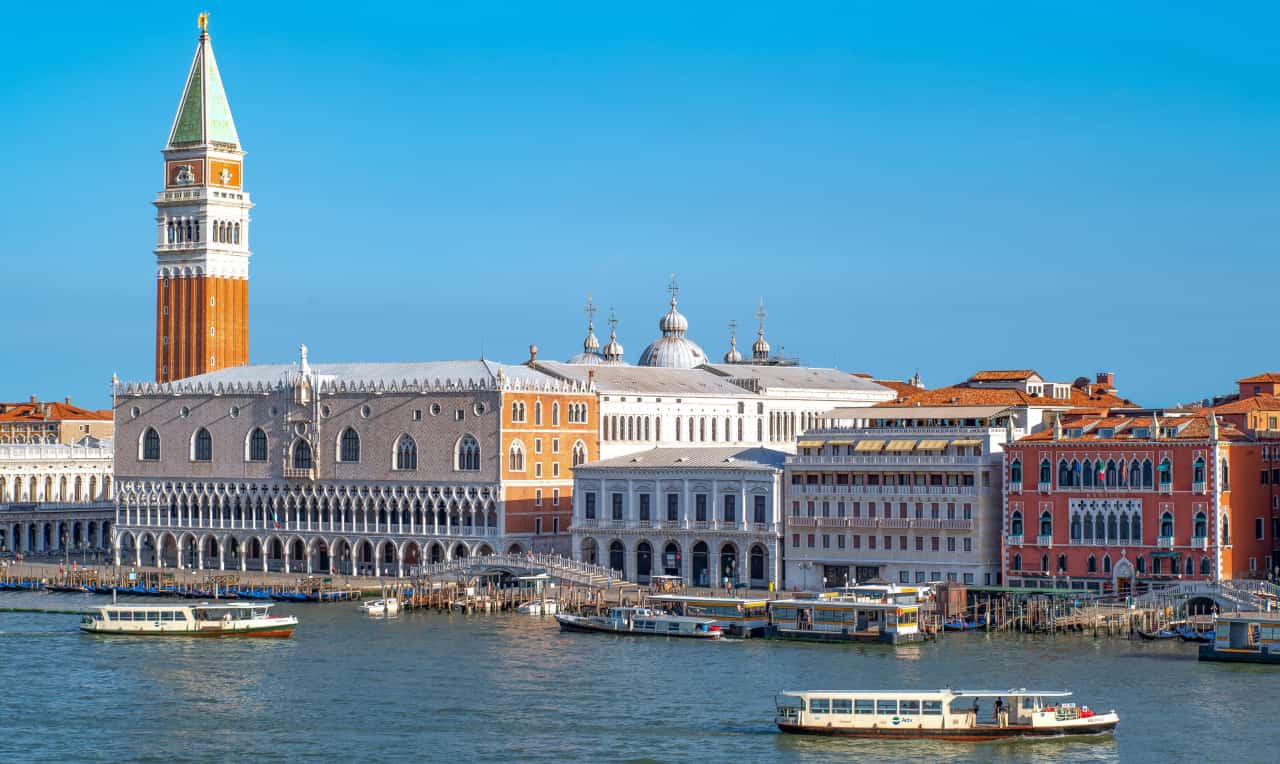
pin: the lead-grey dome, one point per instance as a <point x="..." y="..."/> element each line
<point x="673" y="350"/>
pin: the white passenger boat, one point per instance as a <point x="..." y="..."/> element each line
<point x="538" y="607"/>
<point x="222" y="620"/>
<point x="940" y="714"/>
<point x="384" y="607"/>
<point x="642" y="621"/>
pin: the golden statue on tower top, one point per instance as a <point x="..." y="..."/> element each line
<point x="202" y="21"/>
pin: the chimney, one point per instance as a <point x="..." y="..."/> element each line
<point x="67" y="400"/>
<point x="1107" y="380"/>
<point x="533" y="353"/>
<point x="33" y="399"/>
<point x="591" y="376"/>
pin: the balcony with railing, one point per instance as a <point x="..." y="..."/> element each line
<point x="1165" y="542"/>
<point x="1165" y="488"/>
<point x="896" y="523"/>
<point x="882" y="460"/>
<point x="1044" y="487"/>
<point x="1045" y="539"/>
<point x="885" y="490"/>
<point x="1199" y="542"/>
<point x="1198" y="487"/>
<point x="299" y="473"/>
<point x="1015" y="487"/>
<point x="1013" y="539"/>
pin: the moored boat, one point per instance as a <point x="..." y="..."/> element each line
<point x="939" y="714"/>
<point x="203" y="620"/>
<point x="538" y="607"/>
<point x="384" y="607"/>
<point x="641" y="622"/>
<point x="1244" y="638"/>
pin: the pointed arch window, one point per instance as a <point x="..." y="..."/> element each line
<point x="150" y="445"/>
<point x="555" y="413"/>
<point x="1166" y="472"/>
<point x="1015" y="472"/>
<point x="1136" y="528"/>
<point x="537" y="413"/>
<point x="1146" y="474"/>
<point x="515" y="457"/>
<point x="1046" y="472"/>
<point x="467" y="458"/>
<point x="1200" y="528"/>
<point x="406" y="453"/>
<point x="1075" y="528"/>
<point x="1142" y="565"/>
<point x="1087" y="474"/>
<point x="579" y="453"/>
<point x="1017" y="562"/>
<point x="1205" y="568"/>
<point x="1015" y="524"/>
<point x="1135" y="474"/>
<point x="257" y="445"/>
<point x="1124" y="529"/>
<point x="1113" y="475"/>
<point x="302" y="458"/>
<point x="1197" y="470"/>
<point x="1166" y="525"/>
<point x="1062" y="563"/>
<point x="1106" y="564"/>
<point x="202" y="446"/>
<point x="1093" y="564"/>
<point x="1046" y="524"/>
<point x="1088" y="528"/>
<point x="1064" y="474"/>
<point x="1044" y="563"/>
<point x="1100" y="529"/>
<point x="349" y="446"/>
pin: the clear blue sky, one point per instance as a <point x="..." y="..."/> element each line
<point x="1068" y="186"/>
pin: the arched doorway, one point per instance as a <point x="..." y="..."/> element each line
<point x="484" y="551"/>
<point x="618" y="558"/>
<point x="515" y="549"/>
<point x="364" y="557"/>
<point x="320" y="555"/>
<point x="701" y="565"/>
<point x="412" y="557"/>
<point x="437" y="552"/>
<point x="1122" y="574"/>
<point x="729" y="563"/>
<point x="759" y="558"/>
<point x="671" y="559"/>
<point x="644" y="562"/>
<point x="460" y="552"/>
<point x="590" y="551"/>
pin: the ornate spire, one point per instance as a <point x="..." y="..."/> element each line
<point x="590" y="344"/>
<point x="733" y="356"/>
<point x="204" y="115"/>
<point x="760" y="348"/>
<point x="673" y="324"/>
<point x="613" y="350"/>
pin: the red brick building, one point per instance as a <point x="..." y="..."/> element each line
<point x="1100" y="502"/>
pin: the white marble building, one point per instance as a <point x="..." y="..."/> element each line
<point x="48" y="473"/>
<point x="702" y="514"/>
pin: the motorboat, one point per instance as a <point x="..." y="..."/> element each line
<point x="538" y="607"/>
<point x="945" y="714"/>
<point x="383" y="607"/>
<point x="642" y="622"/>
<point x="203" y="620"/>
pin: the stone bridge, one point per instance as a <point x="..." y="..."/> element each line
<point x="1237" y="595"/>
<point x="555" y="566"/>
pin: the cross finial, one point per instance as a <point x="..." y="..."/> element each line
<point x="202" y="21"/>
<point x="613" y="321"/>
<point x="674" y="288"/>
<point x="590" y="311"/>
<point x="760" y="314"/>
<point x="733" y="330"/>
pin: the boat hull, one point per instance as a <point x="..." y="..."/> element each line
<point x="957" y="735"/>
<point x="1211" y="653"/>
<point x="583" y="627"/>
<point x="281" y="631"/>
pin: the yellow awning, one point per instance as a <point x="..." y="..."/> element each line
<point x="968" y="442"/>
<point x="931" y="445"/>
<point x="900" y="445"/>
<point x="841" y="442"/>
<point x="869" y="445"/>
<point x="812" y="443"/>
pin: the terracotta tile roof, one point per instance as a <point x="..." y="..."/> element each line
<point x="1124" y="429"/>
<point x="960" y="395"/>
<point x="1003" y="375"/>
<point x="901" y="388"/>
<point x="49" y="412"/>
<point x="1270" y="376"/>
<point x="1262" y="402"/>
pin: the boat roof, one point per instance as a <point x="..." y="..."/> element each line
<point x="721" y="600"/>
<point x="839" y="602"/>
<point x="189" y="605"/>
<point x="1022" y="692"/>
<point x="1255" y="617"/>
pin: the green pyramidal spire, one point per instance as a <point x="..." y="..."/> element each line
<point x="204" y="115"/>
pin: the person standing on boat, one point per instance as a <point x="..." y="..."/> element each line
<point x="1001" y="714"/>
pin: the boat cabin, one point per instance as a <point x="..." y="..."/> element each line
<point x="1244" y="638"/>
<point x="739" y="616"/>
<point x="844" y="619"/>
